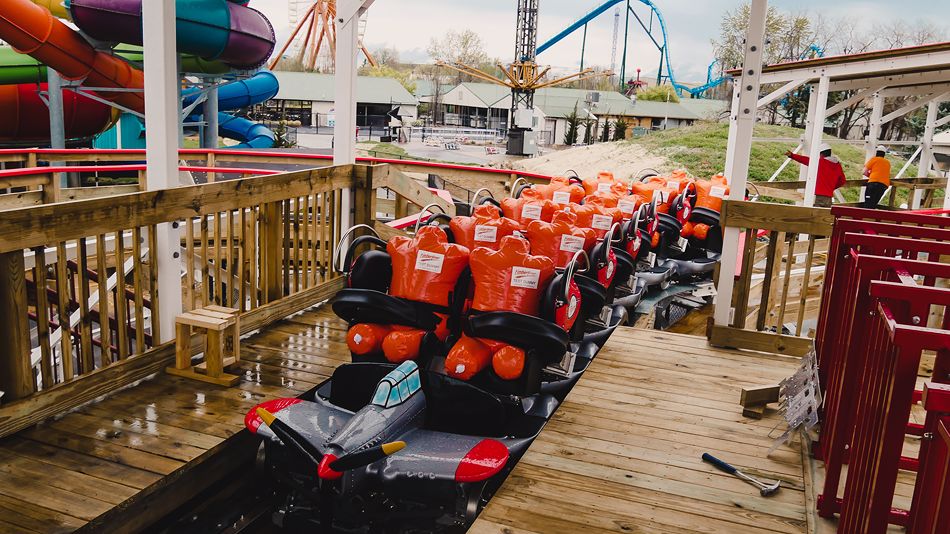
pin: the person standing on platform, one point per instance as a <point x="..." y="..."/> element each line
<point x="878" y="172"/>
<point x="830" y="174"/>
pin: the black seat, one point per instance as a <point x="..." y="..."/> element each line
<point x="374" y="307"/>
<point x="372" y="269"/>
<point x="522" y="331"/>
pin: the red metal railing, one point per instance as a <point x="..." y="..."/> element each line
<point x="930" y="511"/>
<point x="881" y="285"/>
<point x="191" y="153"/>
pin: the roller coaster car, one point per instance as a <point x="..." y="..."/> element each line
<point x="379" y="444"/>
<point x="384" y="327"/>
<point x="639" y="234"/>
<point x="688" y="259"/>
<point x="377" y="441"/>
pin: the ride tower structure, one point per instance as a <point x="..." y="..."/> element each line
<point x="524" y="77"/>
<point x="521" y="139"/>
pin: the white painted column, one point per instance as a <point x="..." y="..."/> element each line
<point x="733" y="127"/>
<point x="344" y="131"/>
<point x="874" y="129"/>
<point x="347" y="47"/>
<point x="814" y="143"/>
<point x="809" y="128"/>
<point x="927" y="148"/>
<point x="743" y="115"/>
<point x="162" y="117"/>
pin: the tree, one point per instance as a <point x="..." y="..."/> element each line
<point x="573" y="123"/>
<point x="386" y="71"/>
<point x="658" y="93"/>
<point x="464" y="47"/>
<point x="605" y="134"/>
<point x="388" y="56"/>
<point x="620" y="129"/>
<point x="589" y="124"/>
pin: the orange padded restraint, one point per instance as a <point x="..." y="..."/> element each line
<point x="510" y="279"/>
<point x="426" y="267"/>
<point x="485" y="228"/>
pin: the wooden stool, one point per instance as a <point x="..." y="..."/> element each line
<point x="222" y="346"/>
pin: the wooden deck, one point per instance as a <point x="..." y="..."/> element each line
<point x="121" y="463"/>
<point x="622" y="454"/>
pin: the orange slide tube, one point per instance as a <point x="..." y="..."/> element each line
<point x="31" y="29"/>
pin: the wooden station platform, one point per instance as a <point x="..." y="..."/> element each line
<point x="622" y="454"/>
<point x="121" y="463"/>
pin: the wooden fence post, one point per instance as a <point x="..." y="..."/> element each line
<point x="16" y="373"/>
<point x="271" y="251"/>
<point x="210" y="163"/>
<point x="363" y="195"/>
<point x="51" y="189"/>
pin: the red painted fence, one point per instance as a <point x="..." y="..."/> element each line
<point x="882" y="282"/>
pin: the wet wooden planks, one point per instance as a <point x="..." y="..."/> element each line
<point x="118" y="463"/>
<point x="622" y="454"/>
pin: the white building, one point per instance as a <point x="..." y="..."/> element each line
<point x="308" y="97"/>
<point x="483" y="105"/>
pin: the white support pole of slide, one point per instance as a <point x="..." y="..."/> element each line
<point x="814" y="143"/>
<point x="347" y="47"/>
<point x="743" y="115"/>
<point x="162" y="117"/>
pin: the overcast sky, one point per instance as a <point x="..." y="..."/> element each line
<point x="410" y="24"/>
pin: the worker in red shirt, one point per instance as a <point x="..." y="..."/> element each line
<point x="830" y="174"/>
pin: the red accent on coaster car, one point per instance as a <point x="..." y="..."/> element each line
<point x="252" y="421"/>
<point x="482" y="462"/>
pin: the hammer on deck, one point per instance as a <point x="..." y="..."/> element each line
<point x="764" y="489"/>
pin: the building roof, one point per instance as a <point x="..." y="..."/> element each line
<point x="320" y="88"/>
<point x="706" y="108"/>
<point x="557" y="102"/>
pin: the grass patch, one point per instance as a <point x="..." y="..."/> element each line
<point x="384" y="150"/>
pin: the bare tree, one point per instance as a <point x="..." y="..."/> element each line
<point x="464" y="47"/>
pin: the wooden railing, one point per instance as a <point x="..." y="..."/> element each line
<point x="795" y="191"/>
<point x="779" y="277"/>
<point x="262" y="245"/>
<point x="29" y="174"/>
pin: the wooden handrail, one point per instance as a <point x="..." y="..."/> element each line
<point x="41" y="225"/>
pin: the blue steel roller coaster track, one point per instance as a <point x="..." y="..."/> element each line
<point x="664" y="48"/>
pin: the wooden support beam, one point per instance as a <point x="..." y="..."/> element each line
<point x="759" y="395"/>
<point x="414" y="192"/>
<point x="728" y="337"/>
<point x="16" y="373"/>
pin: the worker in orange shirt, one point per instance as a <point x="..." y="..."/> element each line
<point x="830" y="174"/>
<point x="878" y="172"/>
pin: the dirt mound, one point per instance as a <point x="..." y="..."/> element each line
<point x="621" y="158"/>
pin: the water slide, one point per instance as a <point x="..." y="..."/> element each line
<point x="212" y="32"/>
